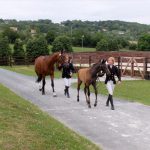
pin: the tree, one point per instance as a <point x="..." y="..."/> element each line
<point x="113" y="45"/>
<point x="107" y="44"/>
<point x="50" y="37"/>
<point x="11" y="35"/>
<point x="62" y="43"/>
<point x="132" y="46"/>
<point x="5" y="50"/>
<point x="18" y="50"/>
<point x="37" y="47"/>
<point x="144" y="42"/>
<point x="102" y="45"/>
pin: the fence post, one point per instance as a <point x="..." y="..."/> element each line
<point x="10" y="61"/>
<point x="132" y="67"/>
<point x="145" y="67"/>
<point x="80" y="61"/>
<point x="89" y="61"/>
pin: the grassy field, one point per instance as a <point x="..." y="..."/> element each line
<point x="138" y="91"/>
<point x="84" y="49"/>
<point x="27" y="70"/>
<point x="24" y="127"/>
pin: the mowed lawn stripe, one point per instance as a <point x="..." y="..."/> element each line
<point x="136" y="91"/>
<point x="24" y="127"/>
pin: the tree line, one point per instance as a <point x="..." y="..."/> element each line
<point x="68" y="34"/>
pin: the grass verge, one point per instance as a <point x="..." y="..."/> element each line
<point x="24" y="127"/>
<point x="137" y="91"/>
<point x="29" y="70"/>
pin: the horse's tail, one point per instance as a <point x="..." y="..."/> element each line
<point x="39" y="78"/>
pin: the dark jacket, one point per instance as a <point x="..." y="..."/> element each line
<point x="114" y="71"/>
<point x="68" y="69"/>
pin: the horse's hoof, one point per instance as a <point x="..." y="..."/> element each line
<point x="89" y="106"/>
<point x="77" y="100"/>
<point x="95" y="105"/>
<point x="54" y="94"/>
<point x="40" y="89"/>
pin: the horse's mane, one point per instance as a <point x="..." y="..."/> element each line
<point x="95" y="69"/>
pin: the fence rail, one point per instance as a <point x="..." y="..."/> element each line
<point x="139" y="67"/>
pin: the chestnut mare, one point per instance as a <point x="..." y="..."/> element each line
<point x="89" y="76"/>
<point x="44" y="66"/>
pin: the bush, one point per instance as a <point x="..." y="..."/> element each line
<point x="132" y="46"/>
<point x="5" y="50"/>
<point x="62" y="43"/>
<point x="50" y="37"/>
<point x="102" y="45"/>
<point x="11" y="35"/>
<point x="37" y="47"/>
<point x="107" y="45"/>
<point x="144" y="42"/>
<point x="18" y="50"/>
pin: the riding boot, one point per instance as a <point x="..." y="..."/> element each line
<point x="107" y="103"/>
<point x="68" y="95"/>
<point x="111" y="101"/>
<point x="65" y="91"/>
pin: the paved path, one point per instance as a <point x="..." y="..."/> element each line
<point x="126" y="128"/>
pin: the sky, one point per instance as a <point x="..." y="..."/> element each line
<point x="61" y="10"/>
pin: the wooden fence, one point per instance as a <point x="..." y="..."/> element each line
<point x="130" y="63"/>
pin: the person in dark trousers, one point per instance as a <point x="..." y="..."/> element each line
<point x="110" y="80"/>
<point x="67" y="72"/>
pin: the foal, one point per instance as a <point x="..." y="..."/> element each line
<point x="89" y="76"/>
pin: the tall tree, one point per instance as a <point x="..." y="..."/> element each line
<point x="5" y="50"/>
<point x="62" y="43"/>
<point x="50" y="37"/>
<point x="11" y="35"/>
<point x="37" y="47"/>
<point x="18" y="50"/>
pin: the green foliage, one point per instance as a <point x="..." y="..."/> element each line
<point x="144" y="42"/>
<point x="113" y="45"/>
<point x="107" y="44"/>
<point x="62" y="43"/>
<point x="132" y="46"/>
<point x="50" y="37"/>
<point x="102" y="45"/>
<point x="5" y="50"/>
<point x="23" y="126"/>
<point x="18" y="49"/>
<point x="37" y="47"/>
<point x="11" y="35"/>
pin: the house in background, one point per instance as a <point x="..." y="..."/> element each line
<point x="14" y="29"/>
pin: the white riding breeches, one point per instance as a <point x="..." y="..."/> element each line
<point x="110" y="87"/>
<point x="67" y="81"/>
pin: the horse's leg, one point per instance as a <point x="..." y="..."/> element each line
<point x="52" y="84"/>
<point x="85" y="92"/>
<point x="43" y="86"/>
<point x="78" y="89"/>
<point x="89" y="104"/>
<point x="95" y="89"/>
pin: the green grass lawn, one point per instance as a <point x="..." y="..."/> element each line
<point x="24" y="127"/>
<point x="85" y="49"/>
<point x="28" y="70"/>
<point x="138" y="91"/>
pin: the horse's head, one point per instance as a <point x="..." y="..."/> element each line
<point x="103" y="68"/>
<point x="61" y="59"/>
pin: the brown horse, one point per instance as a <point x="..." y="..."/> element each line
<point x="44" y="66"/>
<point x="89" y="76"/>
